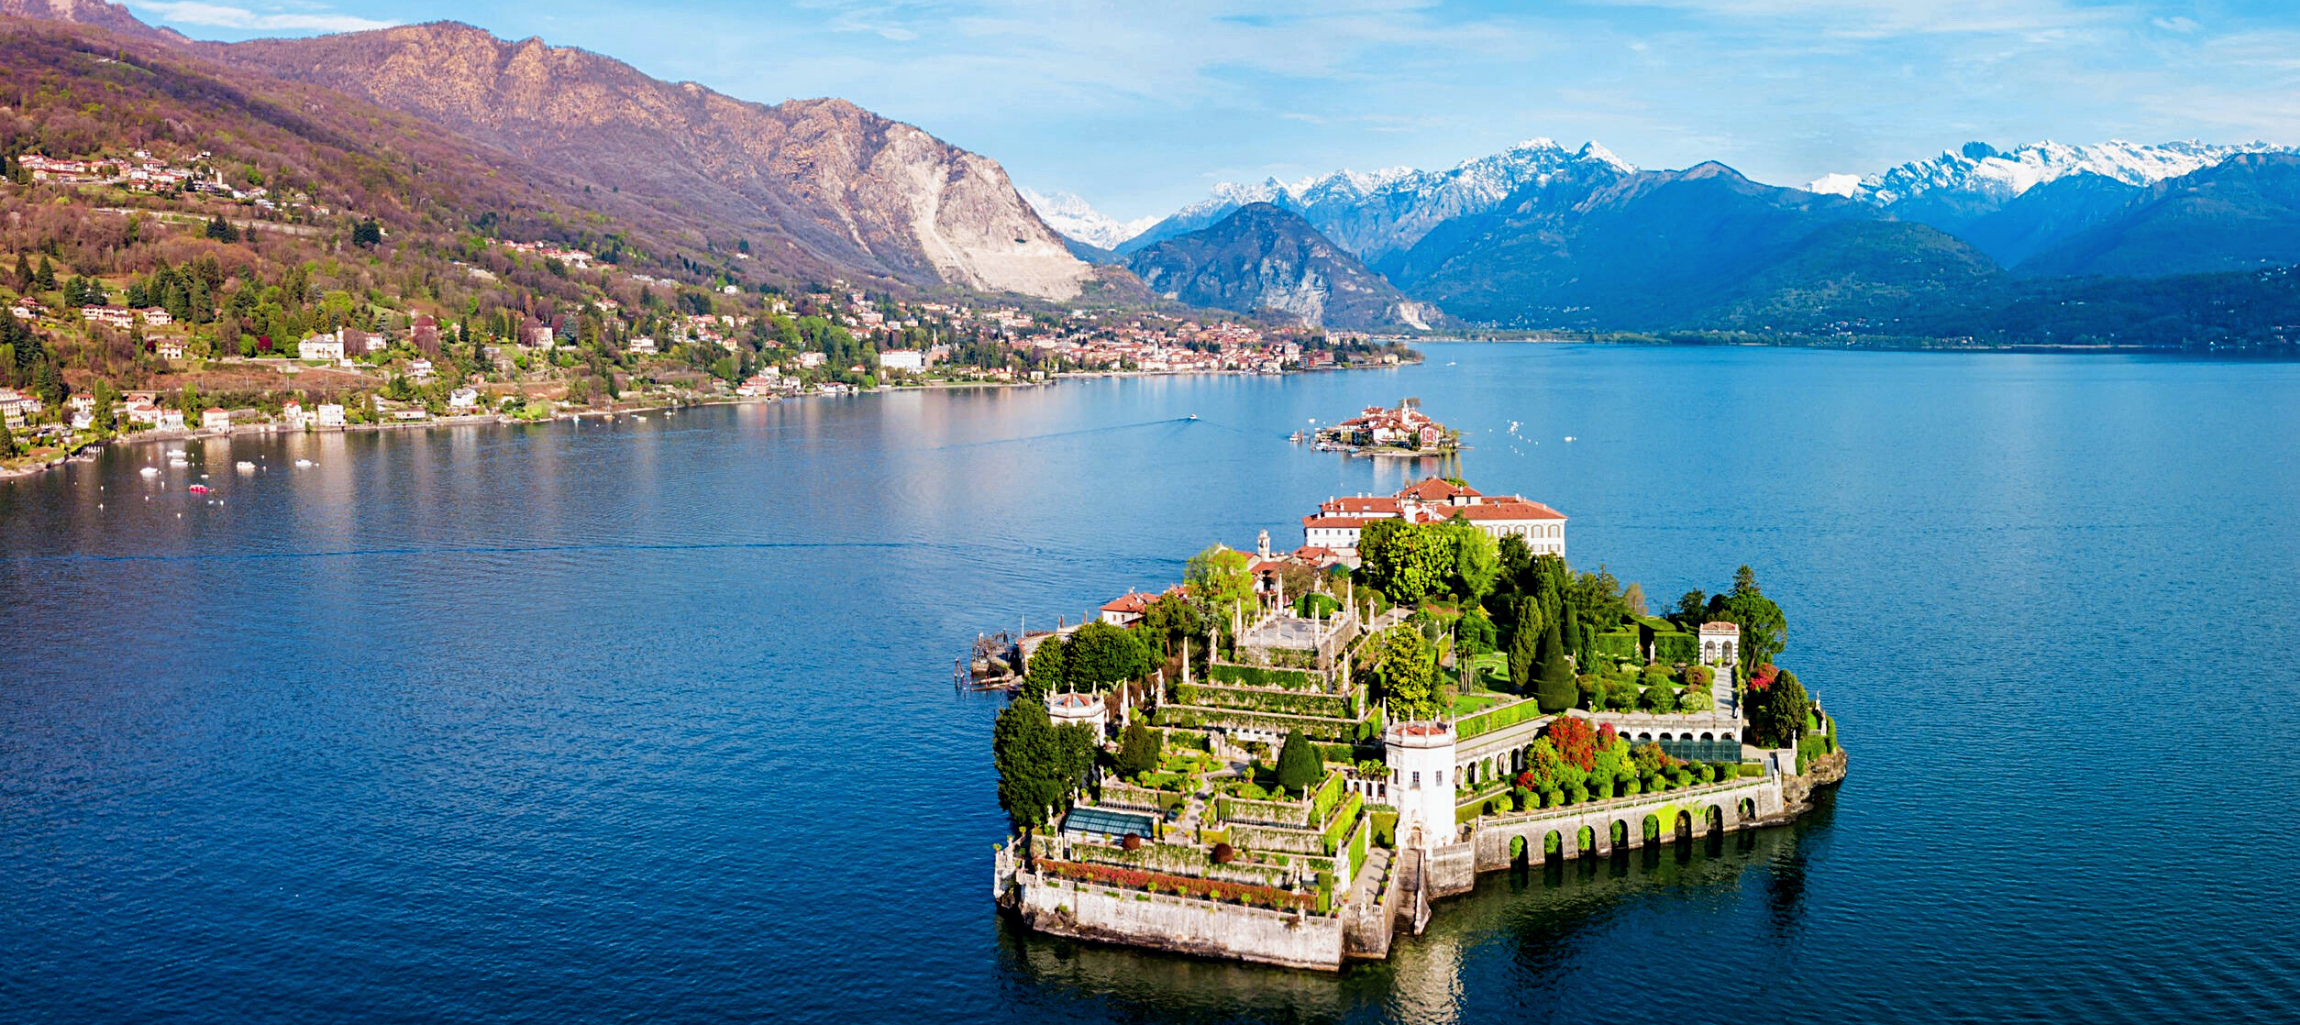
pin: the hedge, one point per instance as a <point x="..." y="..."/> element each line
<point x="1497" y="717"/>
<point x="1358" y="842"/>
<point x="1187" y="886"/>
<point x="1284" y="813"/>
<point x="1672" y="648"/>
<point x="1286" y="702"/>
<point x="1274" y="838"/>
<point x="1385" y="828"/>
<point x="1338" y="829"/>
<point x="1264" y="676"/>
<point x="1330" y="730"/>
<point x="1615" y="643"/>
<point x="1329" y="794"/>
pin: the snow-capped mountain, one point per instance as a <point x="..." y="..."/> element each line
<point x="1982" y="171"/>
<point x="1375" y="213"/>
<point x="1075" y="218"/>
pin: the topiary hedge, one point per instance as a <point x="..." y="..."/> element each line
<point x="1264" y="676"/>
<point x="1495" y="718"/>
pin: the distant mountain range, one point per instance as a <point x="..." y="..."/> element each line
<point x="1537" y="236"/>
<point x="1543" y="236"/>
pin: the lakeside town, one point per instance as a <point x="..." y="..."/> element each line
<point x="1381" y="431"/>
<point x="1286" y="757"/>
<point x="159" y="297"/>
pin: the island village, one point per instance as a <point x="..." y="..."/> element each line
<point x="1287" y="757"/>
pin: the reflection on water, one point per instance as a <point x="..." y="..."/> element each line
<point x="1537" y="922"/>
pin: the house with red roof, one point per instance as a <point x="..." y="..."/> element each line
<point x="1338" y="521"/>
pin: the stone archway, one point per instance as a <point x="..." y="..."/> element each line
<point x="1619" y="833"/>
<point x="1748" y="810"/>
<point x="1649" y="830"/>
<point x="1584" y="840"/>
<point x="1714" y="818"/>
<point x="1552" y="844"/>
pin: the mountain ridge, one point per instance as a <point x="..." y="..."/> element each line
<point x="1265" y="259"/>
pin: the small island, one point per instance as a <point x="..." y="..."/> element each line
<point x="1285" y="758"/>
<point x="1375" y="431"/>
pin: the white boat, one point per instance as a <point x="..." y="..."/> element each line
<point x="244" y="466"/>
<point x="150" y="471"/>
<point x="302" y="464"/>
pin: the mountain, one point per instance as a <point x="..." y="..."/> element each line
<point x="1872" y="277"/>
<point x="1078" y="221"/>
<point x="1264" y="259"/>
<point x="1979" y="170"/>
<point x="93" y="13"/>
<point x="2241" y="214"/>
<point x="2048" y="214"/>
<point x="1378" y="214"/>
<point x="1609" y="248"/>
<point x="814" y="184"/>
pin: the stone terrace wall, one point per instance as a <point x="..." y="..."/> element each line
<point x="1087" y="911"/>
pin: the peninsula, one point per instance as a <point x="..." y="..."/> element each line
<point x="1286" y="758"/>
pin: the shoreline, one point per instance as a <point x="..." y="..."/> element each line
<point x="8" y="473"/>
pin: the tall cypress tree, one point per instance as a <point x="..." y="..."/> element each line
<point x="1525" y="646"/>
<point x="1553" y="684"/>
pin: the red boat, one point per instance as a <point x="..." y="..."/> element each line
<point x="199" y="489"/>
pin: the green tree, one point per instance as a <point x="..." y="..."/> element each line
<point x="1553" y="676"/>
<point x="1407" y="562"/>
<point x="1477" y="560"/>
<point x="22" y="280"/>
<point x="1777" y="712"/>
<point x="1138" y="750"/>
<point x="1038" y="763"/>
<point x="1525" y="646"/>
<point x="368" y="233"/>
<point x="1166" y="621"/>
<point x="1100" y="655"/>
<point x="1046" y="672"/>
<point x="1217" y="579"/>
<point x="7" y="441"/>
<point x="45" y="278"/>
<point x="222" y="231"/>
<point x="1763" y="629"/>
<point x="1299" y="767"/>
<point x="1404" y="668"/>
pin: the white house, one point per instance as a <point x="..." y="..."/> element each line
<point x="420" y="369"/>
<point x="215" y="418"/>
<point x="328" y="346"/>
<point x="1126" y="609"/>
<point x="168" y="348"/>
<point x="331" y="414"/>
<point x="463" y="398"/>
<point x="643" y="346"/>
<point x="911" y="360"/>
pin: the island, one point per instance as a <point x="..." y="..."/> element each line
<point x="1375" y="431"/>
<point x="1286" y="758"/>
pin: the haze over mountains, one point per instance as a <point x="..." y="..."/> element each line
<point x="1539" y="235"/>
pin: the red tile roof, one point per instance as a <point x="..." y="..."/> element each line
<point x="1131" y="601"/>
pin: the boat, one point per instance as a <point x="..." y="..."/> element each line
<point x="198" y="489"/>
<point x="244" y="466"/>
<point x="150" y="471"/>
<point x="302" y="463"/>
<point x="1193" y="416"/>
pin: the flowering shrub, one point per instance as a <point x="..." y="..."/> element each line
<point x="1185" y="886"/>
<point x="1762" y="676"/>
<point x="1575" y="741"/>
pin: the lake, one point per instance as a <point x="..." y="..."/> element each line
<point x="653" y="720"/>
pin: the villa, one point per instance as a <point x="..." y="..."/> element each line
<point x="1338" y="521"/>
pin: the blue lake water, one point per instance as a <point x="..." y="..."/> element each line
<point x="652" y="721"/>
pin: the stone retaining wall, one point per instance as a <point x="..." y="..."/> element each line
<point x="1089" y="911"/>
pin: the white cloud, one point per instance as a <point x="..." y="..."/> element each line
<point x="207" y="15"/>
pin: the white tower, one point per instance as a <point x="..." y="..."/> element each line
<point x="1420" y="757"/>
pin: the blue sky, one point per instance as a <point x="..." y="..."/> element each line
<point x="1140" y="106"/>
